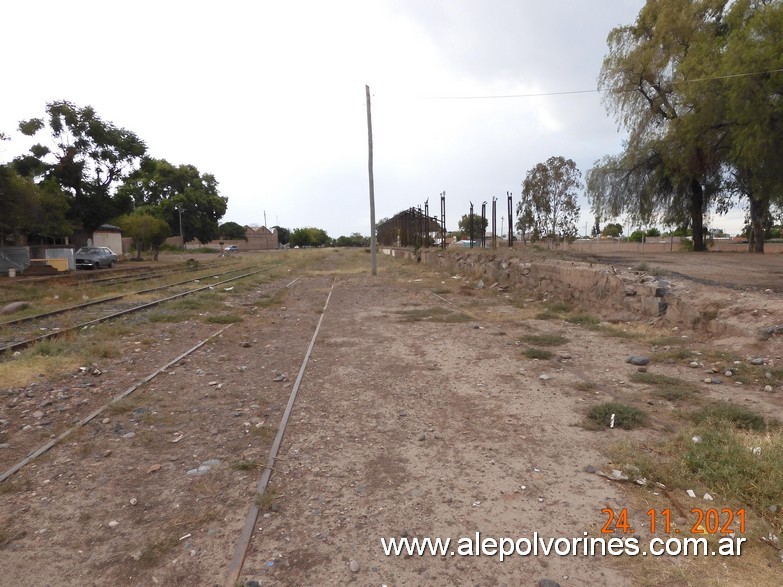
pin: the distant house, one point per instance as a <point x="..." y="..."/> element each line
<point x="257" y="238"/>
<point x="260" y="238"/>
<point x="107" y="235"/>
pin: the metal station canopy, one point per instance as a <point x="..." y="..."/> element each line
<point x="409" y="228"/>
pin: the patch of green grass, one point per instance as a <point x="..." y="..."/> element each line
<point x="436" y="314"/>
<point x="547" y="315"/>
<point x="584" y="320"/>
<point x="738" y="417"/>
<point x="166" y="317"/>
<point x="154" y="552"/>
<point x="741" y="465"/>
<point x="545" y="339"/>
<point x="223" y="319"/>
<point x="534" y="353"/>
<point x="192" y="303"/>
<point x="663" y="341"/>
<point x="244" y="466"/>
<point x="626" y="417"/>
<point x="675" y="354"/>
<point x="669" y="388"/>
<point x="558" y="308"/>
<point x="615" y="332"/>
<point x="51" y="348"/>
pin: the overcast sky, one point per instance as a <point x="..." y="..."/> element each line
<point x="269" y="95"/>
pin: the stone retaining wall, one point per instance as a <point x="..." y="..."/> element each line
<point x="615" y="294"/>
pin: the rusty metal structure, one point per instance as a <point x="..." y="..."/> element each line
<point x="410" y="228"/>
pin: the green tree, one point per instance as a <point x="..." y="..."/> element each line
<point x="613" y="229"/>
<point x="475" y="220"/>
<point x="157" y="183"/>
<point x="549" y="199"/>
<point x="232" y="231"/>
<point x="753" y="107"/>
<point x="670" y="164"/>
<point x="87" y="157"/>
<point x="309" y="237"/>
<point x="38" y="210"/>
<point x="283" y="235"/>
<point x="354" y="240"/>
<point x="146" y="230"/>
<point x="636" y="236"/>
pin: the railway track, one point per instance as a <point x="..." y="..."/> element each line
<point x="41" y="327"/>
<point x="93" y="416"/>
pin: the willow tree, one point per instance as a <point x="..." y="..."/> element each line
<point x="751" y="67"/>
<point x="670" y="155"/>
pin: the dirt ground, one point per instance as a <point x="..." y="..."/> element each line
<point x="418" y="416"/>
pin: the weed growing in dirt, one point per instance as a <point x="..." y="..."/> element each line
<point x="166" y="317"/>
<point x="223" y="319"/>
<point x="244" y="465"/>
<point x="545" y="339"/>
<point x="153" y="553"/>
<point x="265" y="500"/>
<point x="674" y="354"/>
<point x="626" y="417"/>
<point x="585" y="386"/>
<point x="584" y="320"/>
<point x="534" y="353"/>
<point x="435" y="314"/>
<point x="669" y="388"/>
<point x="738" y="417"/>
<point x="741" y="466"/>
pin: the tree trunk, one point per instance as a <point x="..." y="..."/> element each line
<point x="697" y="218"/>
<point x="758" y="211"/>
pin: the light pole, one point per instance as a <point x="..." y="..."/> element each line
<point x="181" y="238"/>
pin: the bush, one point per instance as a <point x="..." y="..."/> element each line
<point x="626" y="417"/>
<point x="739" y="417"/>
<point x="533" y="353"/>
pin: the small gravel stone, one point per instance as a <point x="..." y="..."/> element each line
<point x="354" y="566"/>
<point x="767" y="388"/>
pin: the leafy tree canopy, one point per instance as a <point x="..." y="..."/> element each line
<point x="548" y="207"/>
<point x="180" y="191"/>
<point x="612" y="229"/>
<point x="232" y="231"/>
<point x="475" y="221"/>
<point x="86" y="156"/>
<point x="354" y="240"/>
<point x="283" y="235"/>
<point x="146" y="230"/>
<point x="39" y="210"/>
<point x="309" y="237"/>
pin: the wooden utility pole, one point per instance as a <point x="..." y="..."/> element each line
<point x="373" y="244"/>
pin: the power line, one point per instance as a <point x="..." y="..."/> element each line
<point x="598" y="90"/>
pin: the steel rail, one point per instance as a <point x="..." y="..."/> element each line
<point x="31" y="341"/>
<point x="49" y="445"/>
<point x="110" y="299"/>
<point x="240" y="551"/>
